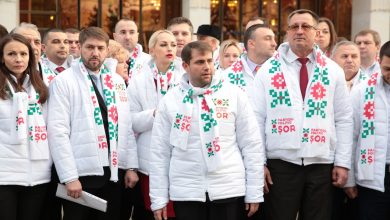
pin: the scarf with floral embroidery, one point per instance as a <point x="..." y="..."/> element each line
<point x="164" y="80"/>
<point x="367" y="131"/>
<point x="134" y="56"/>
<point x="27" y="124"/>
<point x="47" y="74"/>
<point x="110" y="96"/>
<point x="283" y="121"/>
<point x="208" y="125"/>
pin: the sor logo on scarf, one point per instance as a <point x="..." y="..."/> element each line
<point x="283" y="125"/>
<point x="37" y="133"/>
<point x="366" y="156"/>
<point x="182" y="122"/>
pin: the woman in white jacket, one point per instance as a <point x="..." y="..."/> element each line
<point x="146" y="89"/>
<point x="24" y="152"/>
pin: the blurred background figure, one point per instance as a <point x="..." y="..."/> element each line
<point x="327" y="36"/>
<point x="3" y="31"/>
<point x="183" y="30"/>
<point x="73" y="40"/>
<point x="229" y="52"/>
<point x="119" y="53"/>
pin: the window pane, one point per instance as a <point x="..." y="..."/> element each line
<point x="68" y="14"/>
<point x="44" y="5"/>
<point x="130" y="9"/>
<point x="110" y="15"/>
<point x="250" y="9"/>
<point x="270" y="12"/>
<point x="42" y="21"/>
<point x="153" y="14"/>
<point x="89" y="13"/>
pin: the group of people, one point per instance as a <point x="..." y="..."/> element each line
<point x="195" y="129"/>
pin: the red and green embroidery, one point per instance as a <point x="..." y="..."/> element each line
<point x="164" y="80"/>
<point x="236" y="75"/>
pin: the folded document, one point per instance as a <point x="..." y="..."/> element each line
<point x="86" y="199"/>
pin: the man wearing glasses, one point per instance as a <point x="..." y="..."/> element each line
<point x="302" y="106"/>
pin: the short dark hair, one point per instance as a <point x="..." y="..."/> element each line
<point x="385" y="50"/>
<point x="255" y="18"/>
<point x="124" y="19"/>
<point x="72" y="30"/>
<point x="93" y="32"/>
<point x="249" y="33"/>
<point x="52" y="30"/>
<point x="181" y="20"/>
<point x="186" y="53"/>
<point x="303" y="11"/>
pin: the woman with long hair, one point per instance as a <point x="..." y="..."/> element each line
<point x="327" y="36"/>
<point x="25" y="162"/>
<point x="146" y="89"/>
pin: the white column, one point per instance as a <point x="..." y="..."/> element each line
<point x="9" y="13"/>
<point x="198" y="11"/>
<point x="371" y="14"/>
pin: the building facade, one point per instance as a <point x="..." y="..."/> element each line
<point x="349" y="16"/>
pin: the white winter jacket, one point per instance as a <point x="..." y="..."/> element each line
<point x="181" y="175"/>
<point x="381" y="135"/>
<point x="340" y="113"/>
<point x="71" y="128"/>
<point x="16" y="167"/>
<point x="142" y="92"/>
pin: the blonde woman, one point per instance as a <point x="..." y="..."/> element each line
<point x="121" y="55"/>
<point x="229" y="52"/>
<point x="156" y="78"/>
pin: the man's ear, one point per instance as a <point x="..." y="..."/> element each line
<point x="186" y="66"/>
<point x="43" y="47"/>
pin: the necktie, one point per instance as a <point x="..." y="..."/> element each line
<point x="303" y="76"/>
<point x="256" y="69"/>
<point x="59" y="69"/>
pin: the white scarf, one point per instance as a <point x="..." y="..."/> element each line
<point x="367" y="134"/>
<point x="164" y="80"/>
<point x="27" y="124"/>
<point x="112" y="113"/>
<point x="282" y="118"/>
<point x="208" y="125"/>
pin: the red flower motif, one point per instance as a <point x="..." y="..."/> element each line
<point x="274" y="126"/>
<point x="208" y="92"/>
<point x="205" y="106"/>
<point x="219" y="102"/>
<point x="50" y="78"/>
<point x="113" y="114"/>
<point x="372" y="80"/>
<point x="177" y="120"/>
<point x="169" y="76"/>
<point x="237" y="66"/>
<point x="318" y="91"/>
<point x="108" y="81"/>
<point x="320" y="59"/>
<point x="305" y="135"/>
<point x="369" y="110"/>
<point x="278" y="81"/>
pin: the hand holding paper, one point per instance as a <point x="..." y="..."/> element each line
<point x="85" y="198"/>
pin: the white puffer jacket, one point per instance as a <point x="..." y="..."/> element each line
<point x="181" y="175"/>
<point x="381" y="135"/>
<point x="16" y="167"/>
<point x="71" y="128"/>
<point x="143" y="97"/>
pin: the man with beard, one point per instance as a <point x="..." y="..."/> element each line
<point x="89" y="129"/>
<point x="206" y="154"/>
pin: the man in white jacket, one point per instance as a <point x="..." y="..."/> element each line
<point x="126" y="33"/>
<point x="302" y="105"/>
<point x="206" y="151"/>
<point x="369" y="178"/>
<point x="89" y="129"/>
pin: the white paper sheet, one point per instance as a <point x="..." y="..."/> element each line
<point x="86" y="199"/>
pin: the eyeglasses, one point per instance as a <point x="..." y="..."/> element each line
<point x="305" y="27"/>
